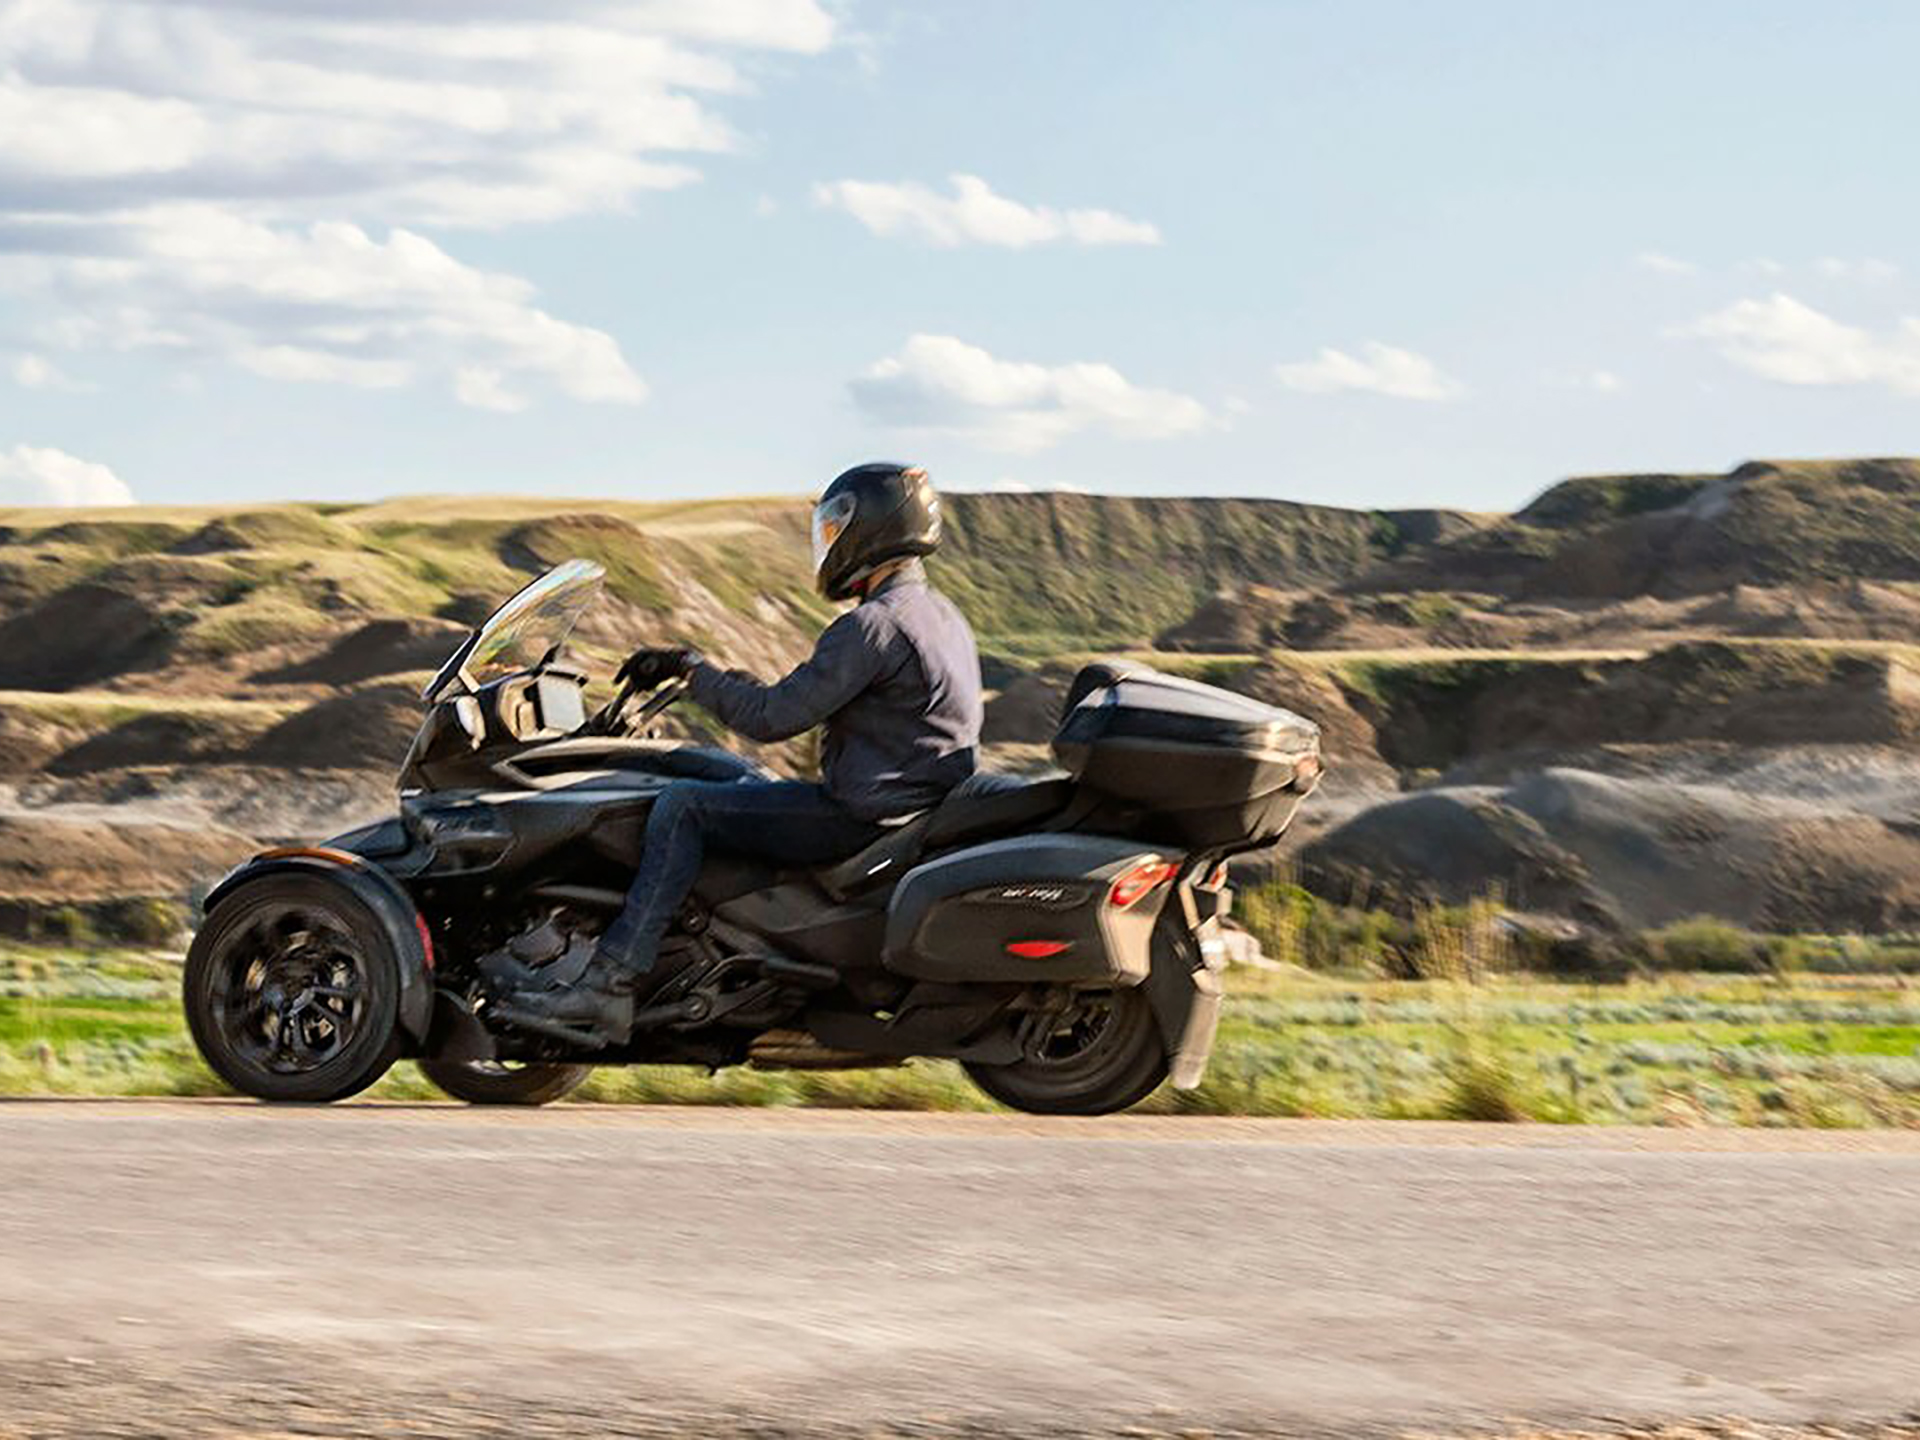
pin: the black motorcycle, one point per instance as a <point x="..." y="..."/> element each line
<point x="1059" y="937"/>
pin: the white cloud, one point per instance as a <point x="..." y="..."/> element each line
<point x="1783" y="340"/>
<point x="485" y="390"/>
<point x="492" y="112"/>
<point x="975" y="215"/>
<point x="326" y="304"/>
<point x="34" y="475"/>
<point x="156" y="151"/>
<point x="1378" y="369"/>
<point x="1665" y="264"/>
<point x="939" y="384"/>
<point x="1867" y="271"/>
<point x="1007" y="485"/>
<point x="1601" y="382"/>
<point x="36" y="372"/>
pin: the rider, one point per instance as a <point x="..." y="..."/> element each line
<point x="894" y="682"/>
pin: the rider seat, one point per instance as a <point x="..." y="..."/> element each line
<point x="979" y="808"/>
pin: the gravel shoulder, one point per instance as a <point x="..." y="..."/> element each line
<point x="967" y="1125"/>
<point x="214" y="1268"/>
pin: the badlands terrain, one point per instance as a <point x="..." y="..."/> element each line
<point x="1639" y="699"/>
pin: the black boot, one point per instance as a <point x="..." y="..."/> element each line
<point x="543" y="958"/>
<point x="600" y="1006"/>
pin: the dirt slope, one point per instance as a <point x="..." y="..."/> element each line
<point x="1764" y="523"/>
<point x="1435" y="714"/>
<point x="1630" y="853"/>
<point x="56" y="860"/>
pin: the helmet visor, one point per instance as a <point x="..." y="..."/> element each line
<point x="830" y="519"/>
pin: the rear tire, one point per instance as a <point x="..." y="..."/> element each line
<point x="1105" y="1061"/>
<point x="292" y="991"/>
<point x="486" y="1082"/>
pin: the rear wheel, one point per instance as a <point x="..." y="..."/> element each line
<point x="1100" y="1054"/>
<point x="493" y="1082"/>
<point x="293" y="992"/>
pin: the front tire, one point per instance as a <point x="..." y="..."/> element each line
<point x="487" y="1082"/>
<point x="1103" y="1055"/>
<point x="292" y="991"/>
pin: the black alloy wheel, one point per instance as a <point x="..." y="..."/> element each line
<point x="496" y="1082"/>
<point x="1098" y="1053"/>
<point x="292" y="991"/>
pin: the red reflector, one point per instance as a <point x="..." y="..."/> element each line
<point x="426" y="938"/>
<point x="1039" y="949"/>
<point x="1137" y="883"/>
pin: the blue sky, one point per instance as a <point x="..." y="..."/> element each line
<point x="1376" y="254"/>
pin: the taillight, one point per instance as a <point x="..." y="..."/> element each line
<point x="1136" y="884"/>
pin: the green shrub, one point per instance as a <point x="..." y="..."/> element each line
<point x="1710" y="946"/>
<point x="1575" y="953"/>
<point x="1438" y="942"/>
<point x="149" y="921"/>
<point x="66" y="925"/>
<point x="1482" y="1086"/>
<point x="1845" y="955"/>
<point x="1275" y="912"/>
<point x="1459" y="942"/>
<point x="1429" y="609"/>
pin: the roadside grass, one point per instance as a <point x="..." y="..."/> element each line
<point x="1685" y="1049"/>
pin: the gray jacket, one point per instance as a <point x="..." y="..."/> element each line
<point x="896" y="683"/>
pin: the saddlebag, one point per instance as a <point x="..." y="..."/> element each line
<point x="1185" y="763"/>
<point x="1049" y="907"/>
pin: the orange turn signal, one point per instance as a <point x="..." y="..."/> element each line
<point x="310" y="852"/>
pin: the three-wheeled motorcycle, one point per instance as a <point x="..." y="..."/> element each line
<point x="1058" y="936"/>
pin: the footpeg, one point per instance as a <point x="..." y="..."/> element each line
<point x="678" y="1011"/>
<point x="540" y="1025"/>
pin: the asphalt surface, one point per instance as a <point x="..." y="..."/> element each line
<point x="227" y="1269"/>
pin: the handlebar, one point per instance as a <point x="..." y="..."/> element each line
<point x="612" y="718"/>
<point x="656" y="703"/>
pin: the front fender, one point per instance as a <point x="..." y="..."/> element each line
<point x="383" y="897"/>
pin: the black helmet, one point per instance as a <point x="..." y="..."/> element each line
<point x="870" y="515"/>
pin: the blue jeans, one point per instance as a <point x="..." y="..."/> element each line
<point x="784" y="821"/>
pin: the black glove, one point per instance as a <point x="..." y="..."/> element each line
<point x="645" y="669"/>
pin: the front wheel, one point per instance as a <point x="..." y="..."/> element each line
<point x="489" y="1082"/>
<point x="292" y="991"/>
<point x="1101" y="1053"/>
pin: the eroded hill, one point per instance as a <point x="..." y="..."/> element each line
<point x="1638" y="697"/>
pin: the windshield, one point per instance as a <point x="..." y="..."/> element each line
<point x="525" y="629"/>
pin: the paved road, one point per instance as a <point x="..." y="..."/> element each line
<point x="226" y="1269"/>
